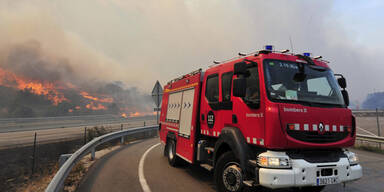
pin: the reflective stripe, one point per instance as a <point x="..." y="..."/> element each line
<point x="248" y="140"/>
<point x="261" y="141"/>
<point x="334" y="128"/>
<point x="254" y="141"/>
<point x="314" y="126"/>
<point x="214" y="133"/>
<point x="172" y="129"/>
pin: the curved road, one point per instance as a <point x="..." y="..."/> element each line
<point x="119" y="171"/>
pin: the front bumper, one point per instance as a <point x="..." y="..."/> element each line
<point x="304" y="174"/>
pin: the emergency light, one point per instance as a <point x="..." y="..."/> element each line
<point x="269" y="47"/>
<point x="307" y="54"/>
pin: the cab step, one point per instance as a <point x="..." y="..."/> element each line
<point x="252" y="163"/>
<point x="207" y="167"/>
<point x="249" y="183"/>
<point x="211" y="149"/>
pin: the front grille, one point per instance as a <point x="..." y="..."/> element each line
<point x="318" y="155"/>
<point x="315" y="137"/>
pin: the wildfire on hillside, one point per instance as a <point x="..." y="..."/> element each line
<point x="70" y="96"/>
<point x="9" y="79"/>
<point x="51" y="90"/>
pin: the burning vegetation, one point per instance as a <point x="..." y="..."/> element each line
<point x="32" y="85"/>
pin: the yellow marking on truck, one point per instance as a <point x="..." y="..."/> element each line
<point x="180" y="88"/>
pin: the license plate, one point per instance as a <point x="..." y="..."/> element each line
<point x="327" y="180"/>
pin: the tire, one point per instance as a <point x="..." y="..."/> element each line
<point x="311" y="189"/>
<point x="228" y="174"/>
<point x="173" y="159"/>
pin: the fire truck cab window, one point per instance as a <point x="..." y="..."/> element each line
<point x="253" y="91"/>
<point x="212" y="88"/>
<point x="226" y="84"/>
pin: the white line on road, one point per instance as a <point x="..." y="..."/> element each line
<point x="367" y="131"/>
<point x="142" y="180"/>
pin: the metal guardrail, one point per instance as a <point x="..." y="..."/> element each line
<point x="368" y="113"/>
<point x="57" y="182"/>
<point x="370" y="138"/>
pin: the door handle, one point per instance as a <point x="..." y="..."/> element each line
<point x="202" y="117"/>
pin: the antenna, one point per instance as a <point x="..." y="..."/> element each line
<point x="290" y="41"/>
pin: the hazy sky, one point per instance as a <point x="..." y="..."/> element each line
<point x="140" y="41"/>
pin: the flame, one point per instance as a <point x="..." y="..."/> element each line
<point x="140" y="114"/>
<point x="95" y="106"/>
<point x="103" y="100"/>
<point x="47" y="89"/>
<point x="124" y="115"/>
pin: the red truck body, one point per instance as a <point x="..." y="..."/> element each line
<point x="190" y="114"/>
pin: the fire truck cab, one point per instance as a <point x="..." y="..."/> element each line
<point x="268" y="119"/>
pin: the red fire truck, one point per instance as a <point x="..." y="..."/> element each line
<point x="271" y="119"/>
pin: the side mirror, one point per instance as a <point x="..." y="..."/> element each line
<point x="345" y="96"/>
<point x="239" y="87"/>
<point x="240" y="68"/>
<point x="342" y="82"/>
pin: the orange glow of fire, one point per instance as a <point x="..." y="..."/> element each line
<point x="140" y="114"/>
<point x="93" y="98"/>
<point x="124" y="115"/>
<point x="47" y="89"/>
<point x="95" y="106"/>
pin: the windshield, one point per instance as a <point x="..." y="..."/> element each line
<point x="301" y="83"/>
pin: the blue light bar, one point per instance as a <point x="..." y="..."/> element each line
<point x="269" y="47"/>
<point x="307" y="54"/>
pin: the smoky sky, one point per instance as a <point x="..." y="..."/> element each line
<point x="27" y="60"/>
<point x="139" y="42"/>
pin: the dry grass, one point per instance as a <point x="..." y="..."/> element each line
<point x="73" y="180"/>
<point x="37" y="182"/>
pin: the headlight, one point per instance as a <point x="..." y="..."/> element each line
<point x="352" y="158"/>
<point x="274" y="162"/>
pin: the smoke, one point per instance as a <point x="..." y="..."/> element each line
<point x="138" y="42"/>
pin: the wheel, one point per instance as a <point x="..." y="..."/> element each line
<point x="228" y="174"/>
<point x="311" y="189"/>
<point x="170" y="148"/>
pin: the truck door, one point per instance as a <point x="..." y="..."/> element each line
<point x="210" y="105"/>
<point x="188" y="116"/>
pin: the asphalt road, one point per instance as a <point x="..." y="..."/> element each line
<point x="50" y="134"/>
<point x="119" y="171"/>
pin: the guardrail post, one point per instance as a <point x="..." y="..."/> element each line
<point x="34" y="155"/>
<point x="144" y="123"/>
<point x="85" y="135"/>
<point x="93" y="154"/>
<point x="378" y="125"/>
<point x="122" y="138"/>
